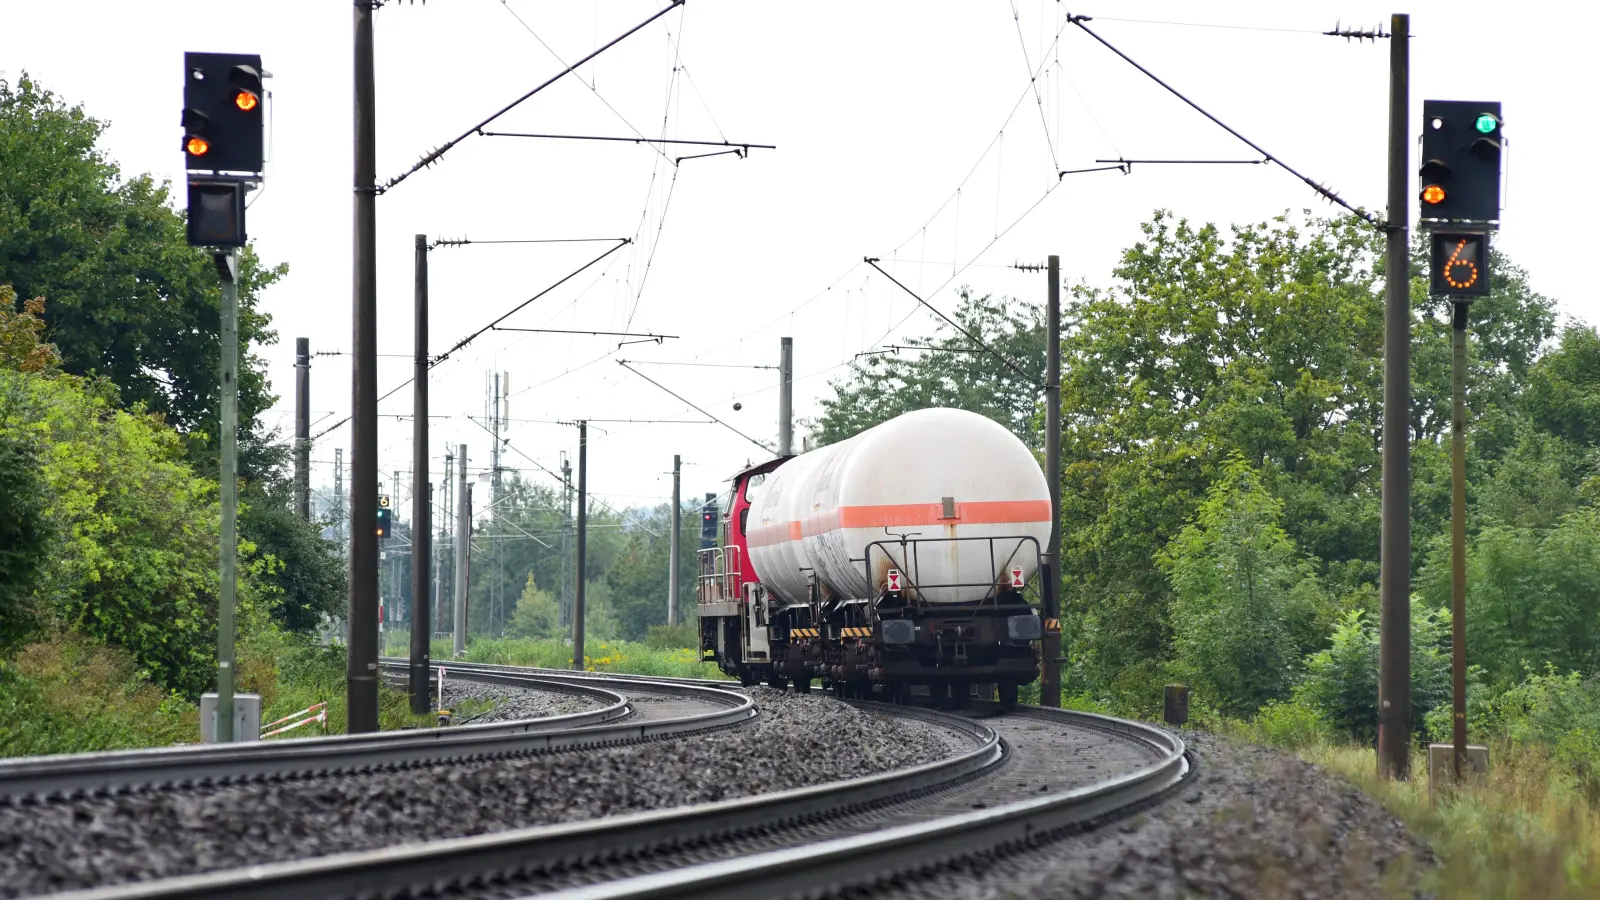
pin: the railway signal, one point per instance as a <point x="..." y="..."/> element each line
<point x="222" y="112"/>
<point x="1461" y="151"/>
<point x="384" y="521"/>
<point x="222" y="133"/>
<point x="708" y="520"/>
<point x="1462" y="147"/>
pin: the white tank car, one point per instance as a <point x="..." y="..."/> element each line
<point x="821" y="510"/>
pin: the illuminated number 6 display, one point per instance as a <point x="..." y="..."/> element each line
<point x="1460" y="265"/>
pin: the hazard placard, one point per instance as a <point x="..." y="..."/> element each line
<point x="1016" y="579"/>
<point x="894" y="579"/>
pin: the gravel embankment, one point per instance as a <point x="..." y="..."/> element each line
<point x="510" y="703"/>
<point x="797" y="741"/>
<point x="1254" y="823"/>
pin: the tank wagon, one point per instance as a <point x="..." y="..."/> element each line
<point x="902" y="556"/>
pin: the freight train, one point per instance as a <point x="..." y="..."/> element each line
<point x="902" y="556"/>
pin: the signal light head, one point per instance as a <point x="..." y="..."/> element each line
<point x="1433" y="195"/>
<point x="1486" y="123"/>
<point x="197" y="146"/>
<point x="246" y="101"/>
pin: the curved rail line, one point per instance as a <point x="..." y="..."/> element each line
<point x="46" y="778"/>
<point x="863" y="861"/>
<point x="590" y="850"/>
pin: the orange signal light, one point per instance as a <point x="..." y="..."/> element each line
<point x="197" y="146"/>
<point x="245" y="100"/>
<point x="1433" y="194"/>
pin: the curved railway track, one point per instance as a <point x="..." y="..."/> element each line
<point x="1028" y="775"/>
<point x="656" y="710"/>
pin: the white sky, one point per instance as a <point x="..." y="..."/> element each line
<point x="879" y="111"/>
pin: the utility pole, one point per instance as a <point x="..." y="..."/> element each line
<point x="447" y="509"/>
<point x="677" y="527"/>
<point x="494" y="507"/>
<point x="583" y="547"/>
<point x="302" y="428"/>
<point x="786" y="396"/>
<point x="339" y="520"/>
<point x="1458" y="535"/>
<point x="361" y="672"/>
<point x="421" y="496"/>
<point x="566" y="540"/>
<point x="463" y="550"/>
<point x="1050" y="647"/>
<point x="228" y="486"/>
<point x="1394" y="629"/>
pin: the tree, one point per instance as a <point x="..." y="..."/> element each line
<point x="1263" y="341"/>
<point x="1232" y="571"/>
<point x="536" y="615"/>
<point x="950" y="372"/>
<point x="129" y="299"/>
<point x="1341" y="682"/>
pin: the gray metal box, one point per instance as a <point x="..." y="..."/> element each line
<point x="246" y="718"/>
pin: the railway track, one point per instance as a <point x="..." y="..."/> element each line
<point x="617" y="720"/>
<point x="1026" y="776"/>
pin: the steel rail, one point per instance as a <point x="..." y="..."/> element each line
<point x="861" y="861"/>
<point x="417" y="869"/>
<point x="573" y="676"/>
<point x="43" y="778"/>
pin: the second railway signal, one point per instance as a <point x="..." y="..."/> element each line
<point x="1461" y="151"/>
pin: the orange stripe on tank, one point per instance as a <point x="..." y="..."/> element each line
<point x="978" y="512"/>
<point x="981" y="512"/>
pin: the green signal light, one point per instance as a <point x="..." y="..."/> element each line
<point x="1486" y="123"/>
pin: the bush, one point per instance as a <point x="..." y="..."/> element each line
<point x="1291" y="725"/>
<point x="673" y="637"/>
<point x="68" y="694"/>
<point x="1341" y="682"/>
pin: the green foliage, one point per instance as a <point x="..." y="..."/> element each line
<point x="673" y="637"/>
<point x="602" y="656"/>
<point x="133" y="560"/>
<point x="1289" y="724"/>
<point x="1533" y="596"/>
<point x="25" y="537"/>
<point x="298" y="566"/>
<point x="1341" y="682"/>
<point x="1232" y="571"/>
<point x="129" y="299"/>
<point x="951" y="372"/>
<point x="68" y="694"/>
<point x="537" y="615"/>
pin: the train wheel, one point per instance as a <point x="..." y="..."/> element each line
<point x="802" y="685"/>
<point x="1008" y="695"/>
<point x="748" y="676"/>
<point x="777" y="682"/>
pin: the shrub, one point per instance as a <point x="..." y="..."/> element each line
<point x="673" y="637"/>
<point x="1341" y="682"/>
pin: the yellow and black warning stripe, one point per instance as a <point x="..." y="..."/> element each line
<point x="855" y="632"/>
<point x="803" y="632"/>
<point x="1052" y="625"/>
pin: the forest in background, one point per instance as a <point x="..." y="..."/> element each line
<point x="1221" y="410"/>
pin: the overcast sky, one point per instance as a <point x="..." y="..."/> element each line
<point x="905" y="130"/>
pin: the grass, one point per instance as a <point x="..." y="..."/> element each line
<point x="622" y="657"/>
<point x="1527" y="829"/>
<point x="70" y="694"/>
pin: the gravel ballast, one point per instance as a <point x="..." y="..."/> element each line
<point x="510" y="703"/>
<point x="1252" y="823"/>
<point x="796" y="741"/>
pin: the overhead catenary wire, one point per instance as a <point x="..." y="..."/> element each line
<point x="470" y="338"/>
<point x="1327" y="193"/>
<point x="433" y="156"/>
<point x="696" y="408"/>
<point x="957" y="326"/>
